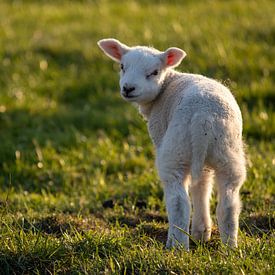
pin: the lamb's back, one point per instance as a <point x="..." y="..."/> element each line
<point x="191" y="99"/>
<point x="196" y="93"/>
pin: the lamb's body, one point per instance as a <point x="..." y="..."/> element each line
<point x="196" y="127"/>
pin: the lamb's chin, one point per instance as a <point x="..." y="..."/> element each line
<point x="130" y="98"/>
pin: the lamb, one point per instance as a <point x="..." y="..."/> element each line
<point x="196" y="127"/>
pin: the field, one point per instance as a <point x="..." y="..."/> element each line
<point x="79" y="190"/>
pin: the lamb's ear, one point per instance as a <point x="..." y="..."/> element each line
<point x="172" y="57"/>
<point x="113" y="48"/>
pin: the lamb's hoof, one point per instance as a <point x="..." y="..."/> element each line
<point x="202" y="236"/>
<point x="232" y="243"/>
<point x="229" y="241"/>
<point x="172" y="243"/>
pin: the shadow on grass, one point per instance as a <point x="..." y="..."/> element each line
<point x="258" y="225"/>
<point x="260" y="103"/>
<point x="25" y="263"/>
<point x="57" y="225"/>
<point x="28" y="133"/>
<point x="61" y="56"/>
<point x="256" y="35"/>
<point x="45" y="255"/>
<point x="267" y="100"/>
<point x="148" y="223"/>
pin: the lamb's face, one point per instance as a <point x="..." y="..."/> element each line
<point x="143" y="69"/>
<point x="141" y="75"/>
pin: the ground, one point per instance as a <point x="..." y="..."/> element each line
<point x="79" y="191"/>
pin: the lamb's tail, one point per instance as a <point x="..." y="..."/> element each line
<point x="201" y="132"/>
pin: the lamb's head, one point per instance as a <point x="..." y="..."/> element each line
<point x="143" y="69"/>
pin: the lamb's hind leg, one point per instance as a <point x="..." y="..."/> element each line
<point x="229" y="181"/>
<point x="200" y="194"/>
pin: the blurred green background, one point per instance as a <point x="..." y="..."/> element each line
<point x="71" y="148"/>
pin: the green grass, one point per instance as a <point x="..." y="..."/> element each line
<point x="79" y="191"/>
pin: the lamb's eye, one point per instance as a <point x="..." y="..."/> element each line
<point x="122" y="67"/>
<point x="155" y="72"/>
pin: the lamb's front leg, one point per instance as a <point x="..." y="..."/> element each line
<point x="178" y="209"/>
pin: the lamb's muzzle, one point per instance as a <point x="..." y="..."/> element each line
<point x="196" y="127"/>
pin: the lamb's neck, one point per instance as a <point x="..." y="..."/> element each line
<point x="146" y="108"/>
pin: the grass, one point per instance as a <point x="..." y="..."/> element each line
<point x="79" y="192"/>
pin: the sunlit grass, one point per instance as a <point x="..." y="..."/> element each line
<point x="79" y="189"/>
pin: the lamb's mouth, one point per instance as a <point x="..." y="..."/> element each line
<point x="129" y="96"/>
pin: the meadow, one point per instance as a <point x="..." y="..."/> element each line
<point x="79" y="190"/>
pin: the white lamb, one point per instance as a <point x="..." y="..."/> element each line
<point x="196" y="127"/>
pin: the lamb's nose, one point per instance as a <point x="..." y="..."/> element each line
<point x="128" y="89"/>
